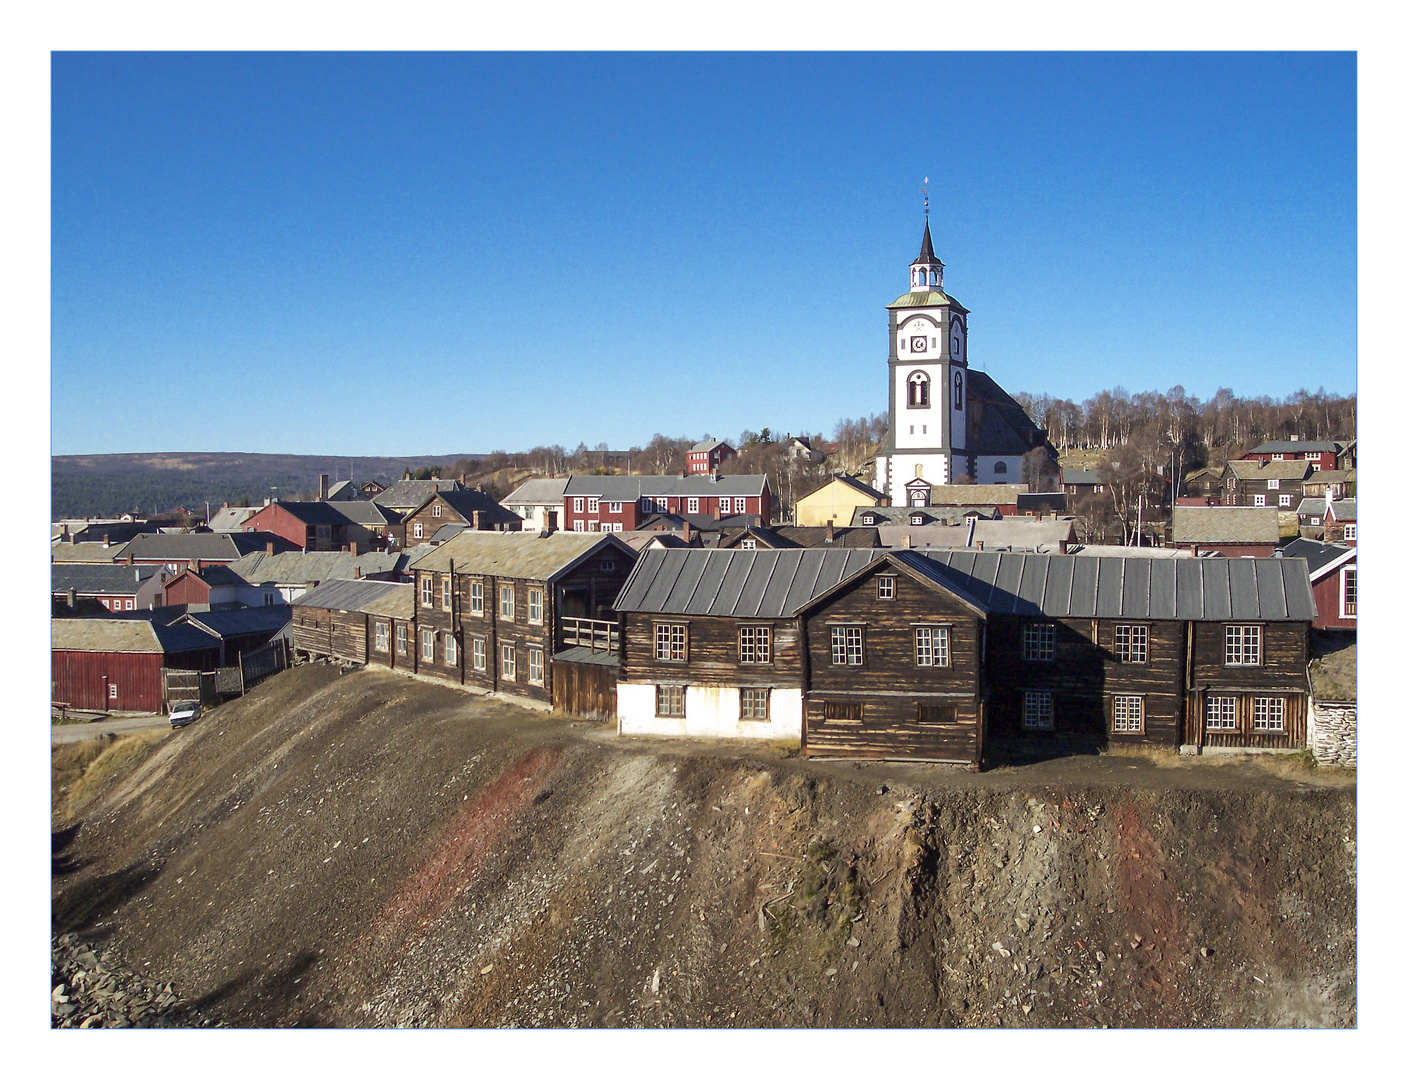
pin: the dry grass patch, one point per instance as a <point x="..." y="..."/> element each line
<point x="113" y="757"/>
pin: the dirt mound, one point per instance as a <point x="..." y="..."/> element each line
<point x="373" y="850"/>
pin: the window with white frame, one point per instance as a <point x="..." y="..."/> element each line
<point x="885" y="587"/>
<point x="506" y="601"/>
<point x="1349" y="582"/>
<point x="1273" y="485"/>
<point x="508" y="661"/>
<point x="112" y="691"/>
<point x="1132" y="644"/>
<point x="748" y="544"/>
<point x="1037" y="713"/>
<point x="577" y="502"/>
<point x="1351" y="532"/>
<point x="647" y="505"/>
<point x="1128" y="714"/>
<point x="848" y="645"/>
<point x="427" y="590"/>
<point x="753" y="703"/>
<point x="1286" y="500"/>
<point x="479" y="654"/>
<point x="1315" y="521"/>
<point x="535" y="605"/>
<point x="694" y="504"/>
<point x="476" y="598"/>
<point x="445" y="592"/>
<point x="401" y="638"/>
<point x="1243" y="646"/>
<point x="452" y="650"/>
<point x="593" y="506"/>
<point x="669" y="700"/>
<point x="672" y="642"/>
<point x="1039" y="641"/>
<point x="1278" y="457"/>
<point x="613" y="508"/>
<point x="383" y="637"/>
<point x="435" y="510"/>
<point x="1258" y="500"/>
<point x="417" y="531"/>
<point x="755" y="645"/>
<point x="1221" y="713"/>
<point x="427" y="645"/>
<point x="535" y="666"/>
<point x="579" y="526"/>
<point x="1268" y="714"/>
<point x="931" y="646"/>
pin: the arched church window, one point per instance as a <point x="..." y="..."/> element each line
<point x="918" y="390"/>
<point x="1000" y="468"/>
<point x="958" y="390"/>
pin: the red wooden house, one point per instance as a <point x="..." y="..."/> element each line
<point x="115" y="664"/>
<point x="622" y="503"/>
<point x="1321" y="455"/>
<point x="1334" y="578"/>
<point x="706" y="457"/>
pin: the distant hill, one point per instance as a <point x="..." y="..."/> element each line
<point x="100" y="485"/>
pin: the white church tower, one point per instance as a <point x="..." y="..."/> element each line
<point x="928" y="384"/>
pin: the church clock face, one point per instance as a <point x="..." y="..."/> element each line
<point x="918" y="344"/>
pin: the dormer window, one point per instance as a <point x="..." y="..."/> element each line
<point x="916" y="519"/>
<point x="869" y="519"/>
<point x="919" y="390"/>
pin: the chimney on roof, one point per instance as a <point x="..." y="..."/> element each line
<point x="322" y="487"/>
<point x="130" y="560"/>
<point x="356" y="573"/>
<point x="685" y="531"/>
<point x="474" y="518"/>
<point x="72" y="598"/>
<point x="269" y="548"/>
<point x="904" y="540"/>
<point x="352" y="547"/>
<point x="64" y="536"/>
<point x="830" y="531"/>
<point x="1064" y="545"/>
<point x="105" y="540"/>
<point x="479" y="488"/>
<point x="979" y="545"/>
<point x="714" y="476"/>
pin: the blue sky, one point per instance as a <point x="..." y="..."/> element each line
<point x="442" y="253"/>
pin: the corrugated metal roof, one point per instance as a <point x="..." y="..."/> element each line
<point x="530" y="556"/>
<point x="777" y="584"/>
<point x="1226" y="525"/>
<point x="346" y="594"/>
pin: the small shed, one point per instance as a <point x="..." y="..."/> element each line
<point x="116" y="664"/>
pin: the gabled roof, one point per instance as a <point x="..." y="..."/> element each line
<point x="407" y="493"/>
<point x="1016" y="534"/>
<point x="126" y="636"/>
<point x="1080" y="476"/>
<point x="762" y="583"/>
<point x="1270" y="470"/>
<point x="233" y="622"/>
<point x="857" y="485"/>
<point x="99" y="579"/>
<point x="804" y="536"/>
<point x="1296" y="446"/>
<point x="344" y="490"/>
<point x="366" y="513"/>
<point x="210" y="546"/>
<point x="630" y="488"/>
<point x="1226" y="525"/>
<point x="345" y="594"/>
<point x="705" y="447"/>
<point x="302" y="567"/>
<point x="978" y="495"/>
<point x="1344" y="510"/>
<point x="84" y="553"/>
<point x="1330" y="476"/>
<point x="466" y="501"/>
<point x="1310" y="507"/>
<point x="231" y="518"/>
<point x="310" y="513"/>
<point x="1320" y="558"/>
<point x="917" y="566"/>
<point x="531" y="556"/>
<point x="541" y="492"/>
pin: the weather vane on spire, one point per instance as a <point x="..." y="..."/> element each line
<point x="925" y="190"/>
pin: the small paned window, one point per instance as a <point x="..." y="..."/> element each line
<point x="848" y="645"/>
<point x="479" y="654"/>
<point x="669" y="700"/>
<point x="435" y="510"/>
<point x="1286" y="500"/>
<point x="1351" y="591"/>
<point x="417" y="532"/>
<point x="937" y="714"/>
<point x="1258" y="500"/>
<point x="1039" y="641"/>
<point x="577" y="505"/>
<point x="401" y="638"/>
<point x="427" y="645"/>
<point x="476" y="598"/>
<point x="112" y="691"/>
<point x="693" y="505"/>
<point x="593" y="505"/>
<point x="749" y="544"/>
<point x="535" y="605"/>
<point x="885" y="587"/>
<point x="445" y="592"/>
<point x="1221" y="713"/>
<point x="755" y="645"/>
<point x="508" y="661"/>
<point x="753" y="704"/>
<point x="931" y="646"/>
<point x="452" y="650"/>
<point x="1273" y="485"/>
<point x="506" y="601"/>
<point x="427" y="591"/>
<point x="1128" y="714"/>
<point x="613" y="508"/>
<point x="1132" y="644"/>
<point x="1037" y="710"/>
<point x="1351" y="532"/>
<point x="383" y="637"/>
<point x="671" y="641"/>
<point x="535" y="666"/>
<point x="852" y="712"/>
<point x="1243" y="646"/>
<point x="1268" y="714"/>
<point x="609" y="565"/>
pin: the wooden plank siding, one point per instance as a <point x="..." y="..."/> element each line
<point x="586" y="690"/>
<point x="889" y="685"/>
<point x="339" y="635"/>
<point x="1285" y="651"/>
<point x="711" y="651"/>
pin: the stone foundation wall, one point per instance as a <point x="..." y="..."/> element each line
<point x="1333" y="734"/>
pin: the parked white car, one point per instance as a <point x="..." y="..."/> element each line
<point x="184" y="712"/>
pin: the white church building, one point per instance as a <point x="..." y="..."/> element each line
<point x="948" y="423"/>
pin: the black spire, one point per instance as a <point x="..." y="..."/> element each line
<point x="926" y="250"/>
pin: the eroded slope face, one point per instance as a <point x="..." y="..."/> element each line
<point x="369" y="850"/>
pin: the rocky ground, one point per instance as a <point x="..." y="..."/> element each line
<point x="370" y="850"/>
<point x="93" y="990"/>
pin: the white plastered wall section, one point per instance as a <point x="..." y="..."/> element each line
<point x="709" y="712"/>
<point x="927" y="422"/>
<point x="988" y="474"/>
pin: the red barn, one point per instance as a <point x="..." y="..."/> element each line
<point x="114" y="665"/>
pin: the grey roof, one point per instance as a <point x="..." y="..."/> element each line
<point x="1270" y="470"/>
<point x="1292" y="446"/>
<point x="537" y="492"/>
<point x="448" y="531"/>
<point x="399" y="603"/>
<point x="344" y="490"/>
<point x="311" y="512"/>
<point x="363" y="512"/>
<point x="346" y="594"/>
<point x="702" y="447"/>
<point x="232" y="622"/>
<point x="99" y="579"/>
<point x="126" y="636"/>
<point x="580" y="654"/>
<point x="1330" y="476"/>
<point x="1012" y="533"/>
<point x="777" y="584"/>
<point x="531" y="556"/>
<point x="975" y="494"/>
<point x="1345" y="510"/>
<point x="405" y="494"/>
<point x="763" y="583"/>
<point x="84" y="553"/>
<point x="302" y="567"/>
<point x="630" y="488"/>
<point x="1226" y="525"/>
<point x="231" y="518"/>
<point x="1316" y="554"/>
<point x="1311" y="507"/>
<point x="1128" y="551"/>
<point x="1081" y="476"/>
<point x="1041" y="500"/>
<point x="806" y="536"/>
<point x="211" y="546"/>
<point x="933" y="515"/>
<point x="1200" y="590"/>
<point x="466" y="501"/>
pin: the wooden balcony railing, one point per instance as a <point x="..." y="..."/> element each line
<point x="598" y="635"/>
